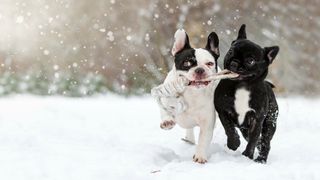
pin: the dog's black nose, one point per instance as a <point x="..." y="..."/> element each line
<point x="233" y="66"/>
<point x="199" y="71"/>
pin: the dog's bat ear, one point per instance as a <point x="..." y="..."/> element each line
<point x="242" y="32"/>
<point x="213" y="43"/>
<point x="181" y="41"/>
<point x="270" y="53"/>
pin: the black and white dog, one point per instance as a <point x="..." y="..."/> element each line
<point x="186" y="96"/>
<point x="248" y="101"/>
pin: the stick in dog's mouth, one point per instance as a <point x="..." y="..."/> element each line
<point x="224" y="74"/>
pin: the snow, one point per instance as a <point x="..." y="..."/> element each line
<point x="128" y="37"/>
<point x="113" y="138"/>
<point x="19" y="19"/>
<point x="110" y="36"/>
<point x="147" y="37"/>
<point x="102" y="30"/>
<point x="46" y="52"/>
<point x="56" y="67"/>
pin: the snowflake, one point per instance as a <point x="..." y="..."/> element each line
<point x="129" y="38"/>
<point x="46" y="52"/>
<point x="20" y="19"/>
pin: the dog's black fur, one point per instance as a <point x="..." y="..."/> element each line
<point x="251" y="62"/>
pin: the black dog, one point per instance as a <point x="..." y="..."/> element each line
<point x="248" y="101"/>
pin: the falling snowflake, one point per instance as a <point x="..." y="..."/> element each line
<point x="110" y="36"/>
<point x="147" y="37"/>
<point x="20" y="19"/>
<point x="46" y="52"/>
<point x="129" y="38"/>
<point x="55" y="67"/>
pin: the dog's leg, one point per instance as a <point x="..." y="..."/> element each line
<point x="268" y="130"/>
<point x="167" y="120"/>
<point x="205" y="137"/>
<point x="167" y="124"/>
<point x="189" y="136"/>
<point x="254" y="133"/>
<point x="245" y="133"/>
<point x="233" y="141"/>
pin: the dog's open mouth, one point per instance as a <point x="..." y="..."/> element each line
<point x="199" y="83"/>
<point x="242" y="76"/>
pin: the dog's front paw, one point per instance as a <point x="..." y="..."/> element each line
<point x="200" y="158"/>
<point x="167" y="124"/>
<point x="261" y="160"/>
<point x="233" y="143"/>
<point x="248" y="154"/>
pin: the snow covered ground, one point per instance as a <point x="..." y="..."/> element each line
<point x="111" y="138"/>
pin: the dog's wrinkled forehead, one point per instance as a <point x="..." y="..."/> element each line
<point x="246" y="47"/>
<point x="190" y="58"/>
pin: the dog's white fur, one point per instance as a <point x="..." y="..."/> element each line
<point x="190" y="106"/>
<point x="200" y="112"/>
<point x="200" y="109"/>
<point x="241" y="103"/>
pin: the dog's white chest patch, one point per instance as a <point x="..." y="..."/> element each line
<point x="241" y="103"/>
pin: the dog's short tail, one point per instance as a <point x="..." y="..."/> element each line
<point x="270" y="84"/>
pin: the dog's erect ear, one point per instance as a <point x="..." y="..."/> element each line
<point x="242" y="32"/>
<point x="213" y="43"/>
<point x="181" y="41"/>
<point x="270" y="53"/>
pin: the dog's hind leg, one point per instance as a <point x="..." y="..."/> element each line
<point x="268" y="130"/>
<point x="189" y="138"/>
<point x="205" y="137"/>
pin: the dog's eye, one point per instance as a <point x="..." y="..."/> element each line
<point x="250" y="61"/>
<point x="187" y="63"/>
<point x="209" y="63"/>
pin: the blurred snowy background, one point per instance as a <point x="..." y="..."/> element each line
<point x="80" y="47"/>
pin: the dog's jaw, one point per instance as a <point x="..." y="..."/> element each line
<point x="199" y="84"/>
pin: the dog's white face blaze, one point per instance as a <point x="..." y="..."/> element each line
<point x="203" y="57"/>
<point x="241" y="104"/>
